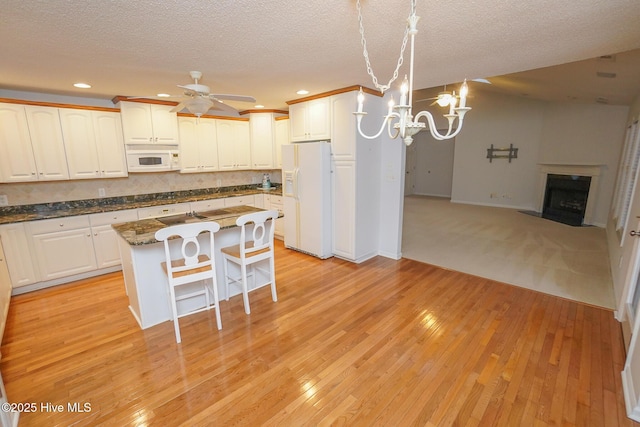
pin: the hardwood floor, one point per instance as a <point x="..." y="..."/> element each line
<point x="385" y="342"/>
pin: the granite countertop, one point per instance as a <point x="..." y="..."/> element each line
<point x="142" y="232"/>
<point x="11" y="214"/>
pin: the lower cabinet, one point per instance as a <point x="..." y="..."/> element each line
<point x="105" y="238"/>
<point x="275" y="202"/>
<point x="17" y="251"/>
<point x="63" y="246"/>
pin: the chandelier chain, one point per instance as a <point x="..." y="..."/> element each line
<point x="365" y="53"/>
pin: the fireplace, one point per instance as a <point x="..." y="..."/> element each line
<point x="565" y="198"/>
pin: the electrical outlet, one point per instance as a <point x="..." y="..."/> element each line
<point x="101" y="192"/>
<point x="4" y="200"/>
<point x="493" y="195"/>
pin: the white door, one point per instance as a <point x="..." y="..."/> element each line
<point x="632" y="284"/>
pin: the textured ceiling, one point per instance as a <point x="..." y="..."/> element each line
<point x="270" y="49"/>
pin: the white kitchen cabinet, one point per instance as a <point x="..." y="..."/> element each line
<point x="198" y="145"/>
<point x="240" y="201"/>
<point x="207" y="205"/>
<point x="94" y="144"/>
<point x="47" y="142"/>
<point x="31" y="144"/>
<point x="149" y="123"/>
<point x="17" y="251"/>
<point x="5" y="292"/>
<point x="234" y="144"/>
<point x="262" y="140"/>
<point x="275" y="202"/>
<point x="17" y="163"/>
<point x="63" y="246"/>
<point x="310" y="120"/>
<point x="163" y="210"/>
<point x="105" y="238"/>
<point x="281" y="138"/>
<point x="355" y="178"/>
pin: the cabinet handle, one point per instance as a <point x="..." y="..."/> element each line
<point x="61" y="225"/>
<point x="89" y="235"/>
<point x="95" y="234"/>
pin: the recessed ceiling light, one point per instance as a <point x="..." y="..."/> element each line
<point x="302" y="92"/>
<point x="82" y="85"/>
<point x="259" y="106"/>
<point x="163" y="95"/>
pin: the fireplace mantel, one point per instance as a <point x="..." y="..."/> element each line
<point x="592" y="170"/>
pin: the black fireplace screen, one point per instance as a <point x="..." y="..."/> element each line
<point x="565" y="198"/>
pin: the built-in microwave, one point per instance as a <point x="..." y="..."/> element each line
<point x="152" y="160"/>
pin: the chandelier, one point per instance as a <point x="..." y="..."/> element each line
<point x="399" y="117"/>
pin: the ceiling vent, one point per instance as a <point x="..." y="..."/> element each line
<point x="601" y="100"/>
<point x="607" y="58"/>
<point x="605" y="75"/>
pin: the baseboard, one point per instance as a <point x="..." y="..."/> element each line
<point x="630" y="396"/>
<point x="492" y="205"/>
<point x="62" y="280"/>
<point x="392" y="255"/>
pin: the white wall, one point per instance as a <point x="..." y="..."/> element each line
<point x="543" y="132"/>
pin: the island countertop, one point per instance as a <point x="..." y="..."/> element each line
<point x="142" y="232"/>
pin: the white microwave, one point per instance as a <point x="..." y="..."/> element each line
<point x="152" y="160"/>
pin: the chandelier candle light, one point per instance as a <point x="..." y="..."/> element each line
<point x="405" y="124"/>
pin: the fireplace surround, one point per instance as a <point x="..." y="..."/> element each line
<point x="592" y="171"/>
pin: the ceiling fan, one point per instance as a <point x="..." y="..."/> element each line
<point x="444" y="98"/>
<point x="198" y="100"/>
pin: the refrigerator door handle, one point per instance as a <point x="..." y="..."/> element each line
<point x="295" y="183"/>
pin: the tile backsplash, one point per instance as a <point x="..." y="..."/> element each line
<point x="141" y="183"/>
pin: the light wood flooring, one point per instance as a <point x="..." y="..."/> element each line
<point x="391" y="343"/>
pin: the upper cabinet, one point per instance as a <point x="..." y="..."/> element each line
<point x="262" y="140"/>
<point x="282" y="138"/>
<point x="234" y="144"/>
<point x="198" y="145"/>
<point x="149" y="123"/>
<point x="94" y="143"/>
<point x="310" y="120"/>
<point x="31" y="144"/>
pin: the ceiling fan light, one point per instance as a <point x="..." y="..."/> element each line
<point x="444" y="100"/>
<point x="199" y="106"/>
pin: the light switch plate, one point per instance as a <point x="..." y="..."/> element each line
<point x="4" y="200"/>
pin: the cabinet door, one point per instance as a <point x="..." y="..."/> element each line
<point x="137" y="127"/>
<point x="110" y="144"/>
<point x="198" y="145"/>
<point x="64" y="253"/>
<point x="319" y="119"/>
<point x="189" y="153"/>
<point x="234" y="144"/>
<point x="297" y="122"/>
<point x="282" y="138"/>
<point x="165" y="124"/>
<point x="80" y="143"/>
<point x="47" y="142"/>
<point x="262" y="140"/>
<point x="17" y="163"/>
<point x="243" y="145"/>
<point x="105" y="243"/>
<point x="14" y="241"/>
<point x="343" y="139"/>
<point x="344" y="210"/>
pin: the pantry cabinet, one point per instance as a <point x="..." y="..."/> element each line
<point x="198" y="145"/>
<point x="149" y="123"/>
<point x="234" y="144"/>
<point x="31" y="144"/>
<point x="94" y="144"/>
<point x="310" y="120"/>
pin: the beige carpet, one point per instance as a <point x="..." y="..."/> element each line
<point x="509" y="246"/>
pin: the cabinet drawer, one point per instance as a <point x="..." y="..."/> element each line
<point x="58" y="224"/>
<point x="164" y="210"/>
<point x="276" y="200"/>
<point x="239" y="201"/>
<point x="114" y="217"/>
<point x="207" y="205"/>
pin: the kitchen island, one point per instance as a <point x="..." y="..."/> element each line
<point x="141" y="254"/>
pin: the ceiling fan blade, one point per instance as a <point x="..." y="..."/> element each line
<point x="241" y="98"/>
<point x="218" y="105"/>
<point x="179" y="107"/>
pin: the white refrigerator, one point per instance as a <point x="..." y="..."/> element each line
<point x="306" y="181"/>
